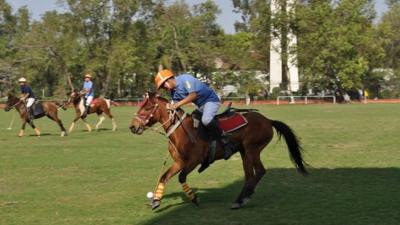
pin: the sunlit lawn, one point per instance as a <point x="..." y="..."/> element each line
<point x="103" y="177"/>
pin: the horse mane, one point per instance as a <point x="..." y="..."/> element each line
<point x="77" y="99"/>
<point x="152" y="95"/>
<point x="12" y="95"/>
<point x="159" y="98"/>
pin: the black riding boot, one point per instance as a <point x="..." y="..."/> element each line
<point x="216" y="133"/>
<point x="30" y="113"/>
<point x="214" y="130"/>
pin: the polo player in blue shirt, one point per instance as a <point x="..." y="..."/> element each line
<point x="186" y="89"/>
<point x="88" y="92"/>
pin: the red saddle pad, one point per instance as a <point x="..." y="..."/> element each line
<point x="232" y="123"/>
<point x="94" y="102"/>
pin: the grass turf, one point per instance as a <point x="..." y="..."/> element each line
<point x="103" y="177"/>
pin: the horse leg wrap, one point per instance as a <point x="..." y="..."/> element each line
<point x="21" y="133"/>
<point x="114" y="125"/>
<point x="88" y="127"/>
<point x="37" y="131"/>
<point x="188" y="191"/>
<point x="159" y="192"/>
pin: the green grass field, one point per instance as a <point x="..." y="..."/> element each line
<point x="103" y="177"/>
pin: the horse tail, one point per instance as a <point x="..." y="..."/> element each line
<point x="293" y="144"/>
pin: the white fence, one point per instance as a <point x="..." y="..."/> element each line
<point x="293" y="101"/>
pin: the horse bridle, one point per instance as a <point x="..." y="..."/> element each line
<point x="145" y="119"/>
<point x="19" y="102"/>
<point x="173" y="114"/>
<point x="72" y="99"/>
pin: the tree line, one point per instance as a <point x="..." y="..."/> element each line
<point x="342" y="45"/>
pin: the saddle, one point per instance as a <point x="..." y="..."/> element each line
<point x="230" y="120"/>
<point x="37" y="110"/>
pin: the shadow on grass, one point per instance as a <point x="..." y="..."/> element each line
<point x="93" y="130"/>
<point x="326" y="196"/>
<point x="103" y="129"/>
<point x="43" y="134"/>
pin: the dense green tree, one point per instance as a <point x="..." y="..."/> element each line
<point x="389" y="29"/>
<point x="256" y="22"/>
<point x="123" y="42"/>
<point x="7" y="33"/>
<point x="336" y="44"/>
<point x="188" y="37"/>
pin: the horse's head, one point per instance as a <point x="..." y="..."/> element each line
<point x="151" y="110"/>
<point x="74" y="97"/>
<point x="11" y="102"/>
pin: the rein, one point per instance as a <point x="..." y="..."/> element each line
<point x="172" y="128"/>
<point x="146" y="118"/>
<point x="19" y="102"/>
<point x="172" y="114"/>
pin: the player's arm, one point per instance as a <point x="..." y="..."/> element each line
<point x="23" y="96"/>
<point x="190" y="98"/>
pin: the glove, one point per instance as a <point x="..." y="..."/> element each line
<point x="171" y="106"/>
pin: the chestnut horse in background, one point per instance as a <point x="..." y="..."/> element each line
<point x="98" y="106"/>
<point x="50" y="110"/>
<point x="250" y="139"/>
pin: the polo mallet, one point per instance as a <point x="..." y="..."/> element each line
<point x="11" y="123"/>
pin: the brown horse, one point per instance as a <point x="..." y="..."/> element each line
<point x="50" y="110"/>
<point x="98" y="106"/>
<point x="250" y="139"/>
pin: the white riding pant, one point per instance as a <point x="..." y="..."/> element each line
<point x="29" y="102"/>
<point x="89" y="100"/>
<point x="209" y="111"/>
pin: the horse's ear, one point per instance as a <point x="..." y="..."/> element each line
<point x="153" y="94"/>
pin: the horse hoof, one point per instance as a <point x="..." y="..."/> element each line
<point x="195" y="200"/>
<point x="236" y="205"/>
<point x="155" y="204"/>
<point x="245" y="201"/>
